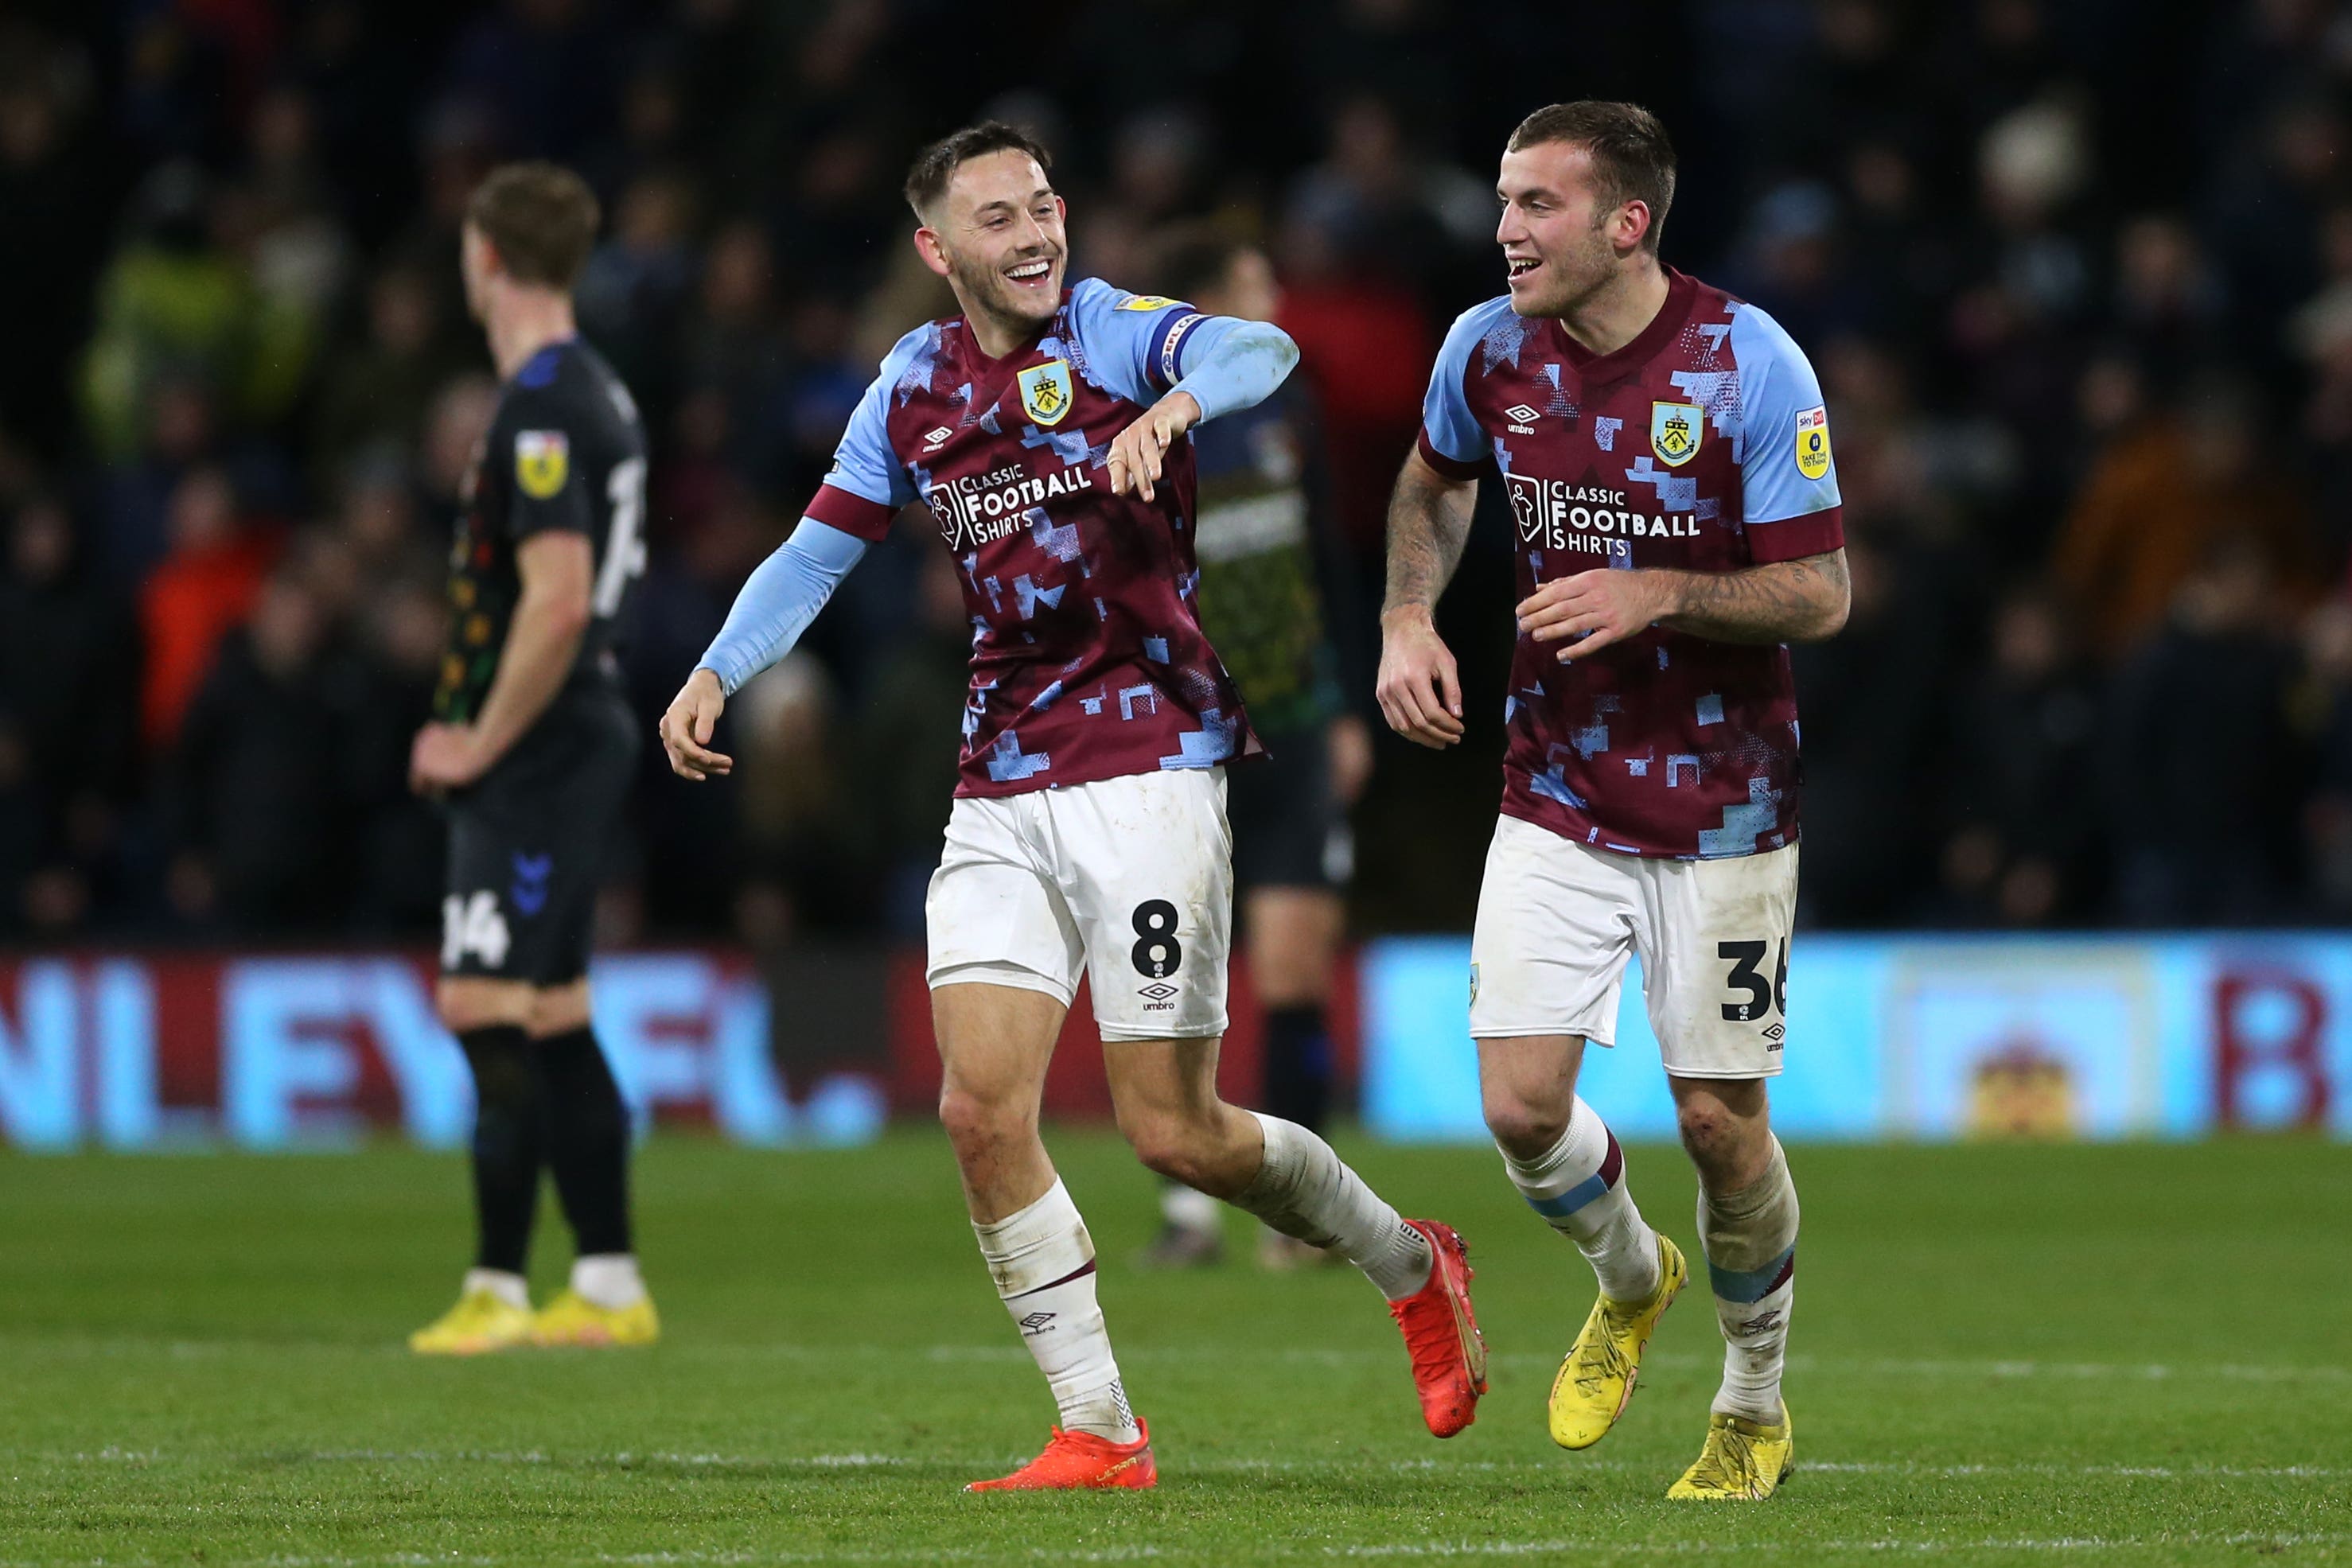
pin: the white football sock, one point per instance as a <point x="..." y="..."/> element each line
<point x="1751" y="1240"/>
<point x="1187" y="1209"/>
<point x="1578" y="1187"/>
<point x="511" y="1289"/>
<point x="608" y="1280"/>
<point x="1304" y="1190"/>
<point x="1043" y="1264"/>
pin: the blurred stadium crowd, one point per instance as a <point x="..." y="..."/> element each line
<point x="2079" y="289"/>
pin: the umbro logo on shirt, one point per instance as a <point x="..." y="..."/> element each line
<point x="932" y="440"/>
<point x="1521" y="416"/>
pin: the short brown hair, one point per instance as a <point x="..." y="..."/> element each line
<point x="541" y="218"/>
<point x="927" y="182"/>
<point x="1632" y="160"/>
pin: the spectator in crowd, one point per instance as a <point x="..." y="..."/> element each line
<point x="202" y="590"/>
<point x="2199" y="752"/>
<point x="2162" y="497"/>
<point x="256" y="812"/>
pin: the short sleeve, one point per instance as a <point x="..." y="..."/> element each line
<point x="1451" y="441"/>
<point x="534" y="440"/>
<point x="867" y="484"/>
<point x="1787" y="478"/>
<point x="1134" y="343"/>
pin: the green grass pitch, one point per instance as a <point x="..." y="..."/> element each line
<point x="2130" y="1354"/>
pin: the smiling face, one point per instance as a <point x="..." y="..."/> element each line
<point x="997" y="236"/>
<point x="1559" y="244"/>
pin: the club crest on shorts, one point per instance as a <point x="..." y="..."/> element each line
<point x="1046" y="394"/>
<point x="542" y="462"/>
<point x="1675" y="429"/>
<point x="1473" y="980"/>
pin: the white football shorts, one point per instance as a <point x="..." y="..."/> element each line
<point x="1127" y="880"/>
<point x="1557" y="919"/>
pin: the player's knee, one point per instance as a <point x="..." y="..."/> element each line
<point x="1721" y="1145"/>
<point x="1525" y="1128"/>
<point x="1176" y="1148"/>
<point x="973" y="1120"/>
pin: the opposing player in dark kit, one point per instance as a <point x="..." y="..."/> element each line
<point x="1667" y="457"/>
<point x="1267" y="572"/>
<point x="531" y="745"/>
<point x="1047" y="429"/>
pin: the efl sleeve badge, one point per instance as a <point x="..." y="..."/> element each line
<point x="1813" y="442"/>
<point x="542" y="463"/>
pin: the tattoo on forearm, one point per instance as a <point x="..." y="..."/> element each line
<point x="1785" y="601"/>
<point x="1429" y="525"/>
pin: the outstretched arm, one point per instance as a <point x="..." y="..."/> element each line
<point x="1420" y="690"/>
<point x="1801" y="600"/>
<point x="1230" y="364"/>
<point x="777" y="601"/>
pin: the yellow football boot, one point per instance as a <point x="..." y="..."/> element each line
<point x="1744" y="1461"/>
<point x="571" y="1319"/>
<point x="1596" y="1381"/>
<point x="481" y="1322"/>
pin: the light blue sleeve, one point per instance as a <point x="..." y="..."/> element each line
<point x="1448" y="428"/>
<point x="779" y="600"/>
<point x="1229" y="363"/>
<point x="1785" y="466"/>
<point x="863" y="465"/>
<point x="1135" y="344"/>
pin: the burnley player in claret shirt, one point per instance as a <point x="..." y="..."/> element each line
<point x="1045" y="429"/>
<point x="1667" y="457"/>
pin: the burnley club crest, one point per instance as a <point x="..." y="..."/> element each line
<point x="1046" y="394"/>
<point x="1674" y="431"/>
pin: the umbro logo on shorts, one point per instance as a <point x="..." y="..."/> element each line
<point x="1158" y="993"/>
<point x="1775" y="1033"/>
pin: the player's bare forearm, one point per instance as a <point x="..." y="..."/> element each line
<point x="542" y="638"/>
<point x="1802" y="600"/>
<point x="1429" y="525"/>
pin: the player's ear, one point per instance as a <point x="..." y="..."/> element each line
<point x="1632" y="223"/>
<point x="929" y="246"/>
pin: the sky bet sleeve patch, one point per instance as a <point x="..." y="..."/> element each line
<point x="542" y="463"/>
<point x="1813" y="442"/>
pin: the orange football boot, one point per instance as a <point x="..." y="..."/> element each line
<point x="1441" y="1333"/>
<point x="1077" y="1461"/>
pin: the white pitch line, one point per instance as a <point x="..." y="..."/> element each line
<point x="1551" y="1546"/>
<point x="1563" y="1468"/>
<point x="2004" y="1369"/>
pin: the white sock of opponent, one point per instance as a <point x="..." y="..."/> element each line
<point x="1750" y="1239"/>
<point x="1187" y="1209"/>
<point x="511" y="1289"/>
<point x="608" y="1280"/>
<point x="1578" y="1187"/>
<point x="1304" y="1190"/>
<point x="1043" y="1264"/>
